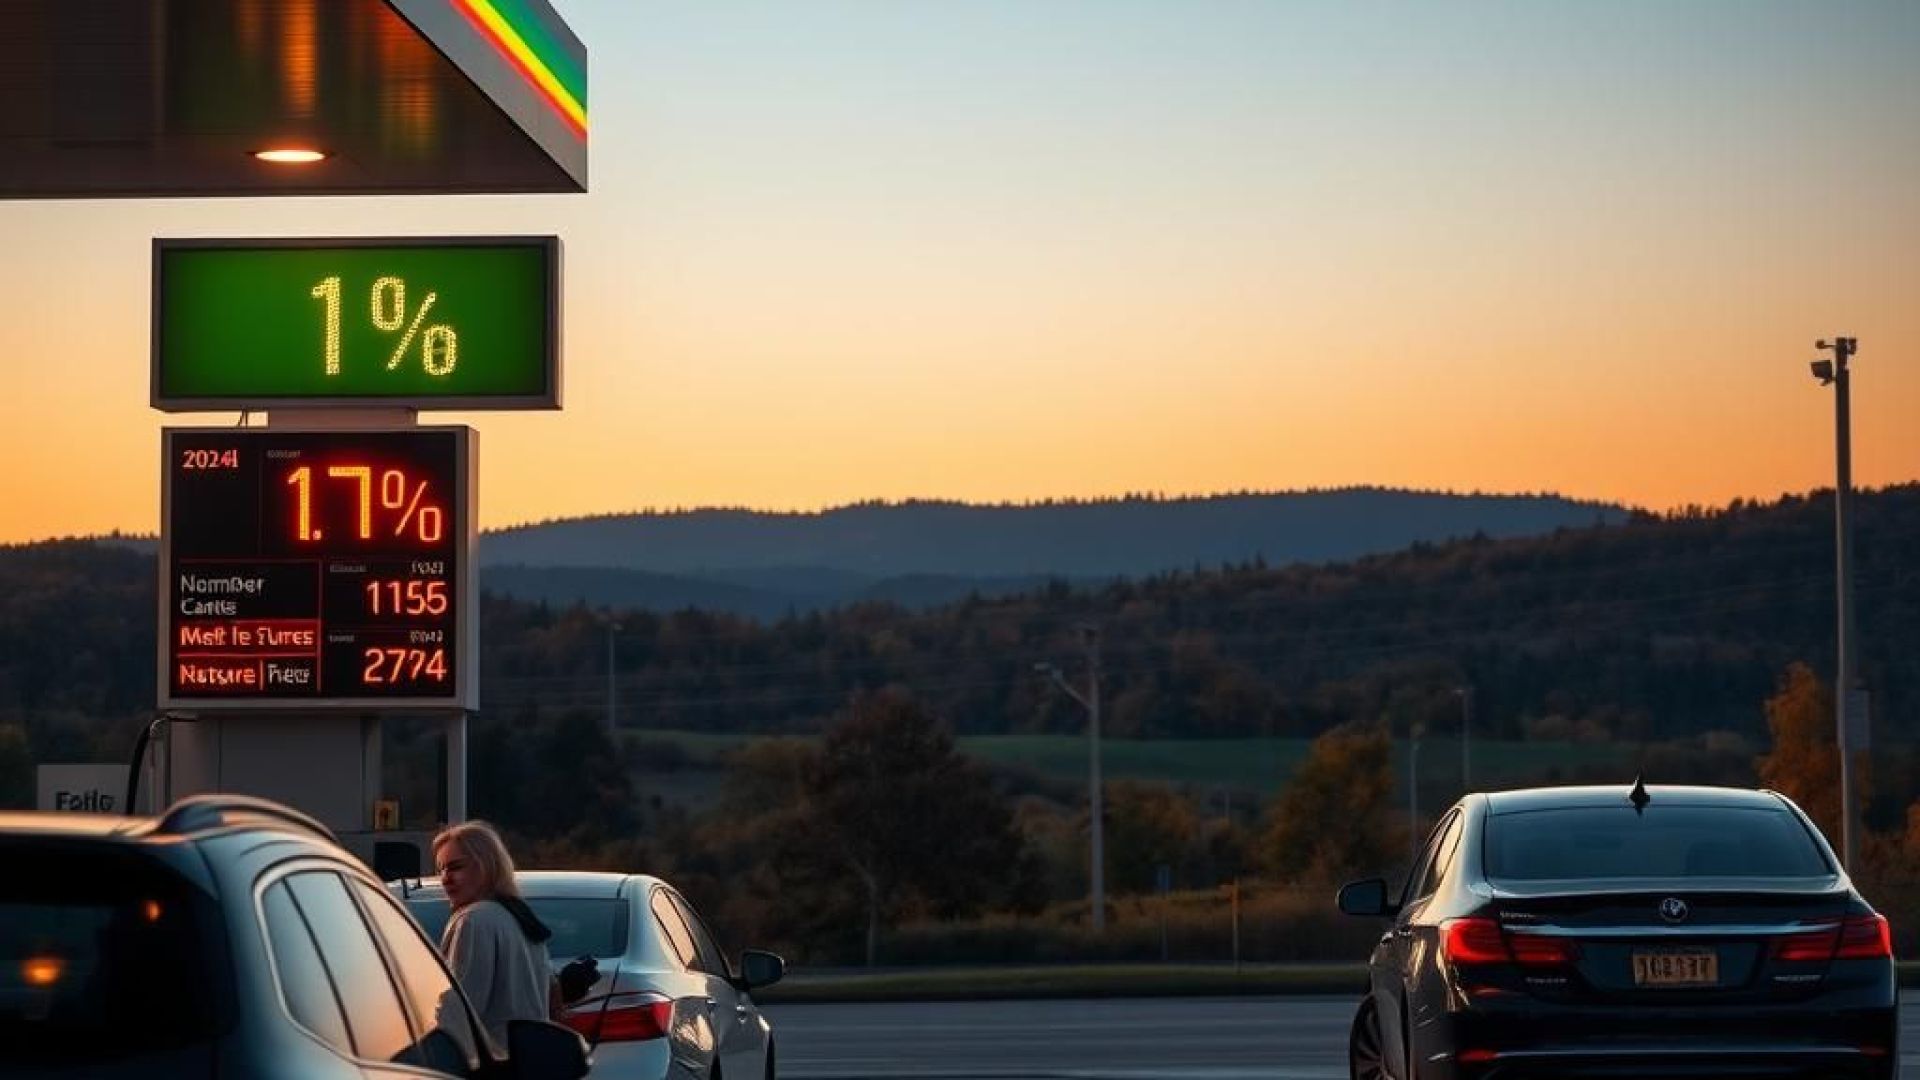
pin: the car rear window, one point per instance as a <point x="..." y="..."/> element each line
<point x="1664" y="842"/>
<point x="105" y="953"/>
<point x="582" y="926"/>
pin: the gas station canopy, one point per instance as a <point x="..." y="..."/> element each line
<point x="164" y="98"/>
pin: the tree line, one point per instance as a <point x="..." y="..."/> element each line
<point x="1655" y="629"/>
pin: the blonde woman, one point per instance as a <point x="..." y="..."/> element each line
<point x="495" y="944"/>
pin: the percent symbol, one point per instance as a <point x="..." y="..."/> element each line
<point x="439" y="350"/>
<point x="429" y="522"/>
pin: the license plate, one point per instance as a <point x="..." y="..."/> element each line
<point x="1676" y="967"/>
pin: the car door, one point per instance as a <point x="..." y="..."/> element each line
<point x="305" y="990"/>
<point x="1424" y="913"/>
<point x="696" y="1027"/>
<point x="1401" y="946"/>
<point x="735" y="1020"/>
<point x="376" y="1016"/>
<point x="444" y="1029"/>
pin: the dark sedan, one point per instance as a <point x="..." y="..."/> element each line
<point x="1643" y="932"/>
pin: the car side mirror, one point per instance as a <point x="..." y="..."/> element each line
<point x="1367" y="898"/>
<point x="540" y="1050"/>
<point x="758" y="969"/>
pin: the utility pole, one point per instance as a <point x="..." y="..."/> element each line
<point x="1090" y="639"/>
<point x="1834" y="373"/>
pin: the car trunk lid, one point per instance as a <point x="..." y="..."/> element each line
<point x="1677" y="941"/>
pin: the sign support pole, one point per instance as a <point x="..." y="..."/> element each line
<point x="456" y="779"/>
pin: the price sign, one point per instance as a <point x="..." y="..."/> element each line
<point x="467" y="323"/>
<point x="323" y="568"/>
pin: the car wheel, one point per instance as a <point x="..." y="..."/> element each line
<point x="770" y="1069"/>
<point x="1366" y="1059"/>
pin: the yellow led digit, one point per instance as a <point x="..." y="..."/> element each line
<point x="329" y="291"/>
<point x="448" y="344"/>
<point x="395" y="288"/>
<point x="302" y="478"/>
<point x="365" y="476"/>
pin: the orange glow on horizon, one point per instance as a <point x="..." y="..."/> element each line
<point x="1006" y="252"/>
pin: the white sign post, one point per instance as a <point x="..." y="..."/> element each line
<point x="83" y="788"/>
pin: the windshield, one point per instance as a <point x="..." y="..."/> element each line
<point x="105" y="953"/>
<point x="582" y="926"/>
<point x="1670" y="842"/>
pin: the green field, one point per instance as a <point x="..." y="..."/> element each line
<point x="1240" y="765"/>
<point x="1263" y="763"/>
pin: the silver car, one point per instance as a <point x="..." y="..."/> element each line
<point x="668" y="1004"/>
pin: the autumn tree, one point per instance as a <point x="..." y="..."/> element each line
<point x="555" y="778"/>
<point x="1805" y="762"/>
<point x="1148" y="826"/>
<point x="1335" y="818"/>
<point x="918" y="827"/>
<point x="754" y="863"/>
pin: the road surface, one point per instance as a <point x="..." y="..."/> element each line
<point x="1284" y="1038"/>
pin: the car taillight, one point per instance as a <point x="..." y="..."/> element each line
<point x="1472" y="941"/>
<point x="1861" y="937"/>
<point x="1865" y="937"/>
<point x="621" y="1018"/>
<point x="1814" y="946"/>
<point x="1481" y="941"/>
<point x="1538" y="950"/>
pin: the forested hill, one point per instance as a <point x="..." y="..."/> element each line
<point x="1652" y="628"/>
<point x="1112" y="538"/>
<point x="1649" y="629"/>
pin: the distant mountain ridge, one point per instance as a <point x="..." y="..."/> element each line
<point x="924" y="553"/>
<point x="1081" y="539"/>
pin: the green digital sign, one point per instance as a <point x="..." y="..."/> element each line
<point x="442" y="323"/>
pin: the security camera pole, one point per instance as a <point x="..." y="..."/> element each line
<point x="1090" y="637"/>
<point x="1834" y="373"/>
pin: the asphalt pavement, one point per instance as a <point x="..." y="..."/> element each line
<point x="1284" y="1038"/>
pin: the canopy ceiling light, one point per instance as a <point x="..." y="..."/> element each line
<point x="288" y="155"/>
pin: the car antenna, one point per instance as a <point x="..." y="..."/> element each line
<point x="1638" y="796"/>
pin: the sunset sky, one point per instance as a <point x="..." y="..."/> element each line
<point x="1011" y="249"/>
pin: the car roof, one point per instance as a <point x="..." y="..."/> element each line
<point x="68" y="824"/>
<point x="1565" y="798"/>
<point x="555" y="884"/>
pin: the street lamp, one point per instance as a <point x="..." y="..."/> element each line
<point x="1090" y="638"/>
<point x="1834" y="373"/>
